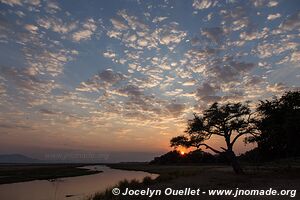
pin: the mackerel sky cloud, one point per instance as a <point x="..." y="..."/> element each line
<point x="126" y="75"/>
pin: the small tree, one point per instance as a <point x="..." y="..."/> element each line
<point x="230" y="121"/>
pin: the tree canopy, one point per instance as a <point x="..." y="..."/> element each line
<point x="279" y="124"/>
<point x="230" y="121"/>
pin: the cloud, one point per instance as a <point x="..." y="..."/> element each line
<point x="2" y="87"/>
<point x="133" y="21"/>
<point x="109" y="54"/>
<point x="131" y="91"/>
<point x="174" y="92"/>
<point x="230" y="71"/>
<point x="101" y="81"/>
<point x="88" y="29"/>
<point x="215" y="33"/>
<point x="114" y="34"/>
<point x="33" y="89"/>
<point x="52" y="7"/>
<point x="142" y="42"/>
<point x="132" y="38"/>
<point x="258" y="3"/>
<point x="43" y="56"/>
<point x="82" y="35"/>
<point x="206" y="89"/>
<point x="49" y="61"/>
<point x="140" y="36"/>
<point x="169" y="35"/>
<point x="57" y="25"/>
<point x="88" y="86"/>
<point x="251" y="81"/>
<point x="145" y="82"/>
<point x="272" y="3"/>
<point x="31" y="28"/>
<point x="189" y="83"/>
<point x="240" y="24"/>
<point x="291" y="23"/>
<point x="268" y="49"/>
<point x="33" y="2"/>
<point x="203" y="4"/>
<point x="47" y="112"/>
<point x="13" y="126"/>
<point x="12" y="2"/>
<point x="273" y="16"/>
<point x="295" y="57"/>
<point x="159" y="19"/>
<point x="110" y="76"/>
<point x="175" y="109"/>
<point x="254" y="35"/>
<point x="118" y="24"/>
<point x="276" y="88"/>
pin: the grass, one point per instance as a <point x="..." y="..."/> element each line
<point x="21" y="173"/>
<point x="163" y="170"/>
<point x="133" y="184"/>
<point x="276" y="175"/>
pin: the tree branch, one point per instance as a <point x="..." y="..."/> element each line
<point x="236" y="137"/>
<point x="216" y="133"/>
<point x="209" y="147"/>
<point x="223" y="148"/>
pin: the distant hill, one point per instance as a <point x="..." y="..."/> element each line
<point x="16" y="158"/>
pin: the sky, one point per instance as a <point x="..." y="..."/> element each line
<point x="126" y="75"/>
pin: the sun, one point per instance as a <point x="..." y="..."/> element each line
<point x="182" y="152"/>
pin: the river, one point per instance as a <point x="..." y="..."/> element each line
<point x="72" y="188"/>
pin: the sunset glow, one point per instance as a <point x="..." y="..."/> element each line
<point x="115" y="76"/>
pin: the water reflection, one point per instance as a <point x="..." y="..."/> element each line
<point x="73" y="188"/>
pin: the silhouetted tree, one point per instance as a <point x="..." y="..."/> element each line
<point x="230" y="121"/>
<point x="280" y="126"/>
<point x="174" y="157"/>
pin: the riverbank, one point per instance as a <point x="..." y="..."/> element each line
<point x="206" y="178"/>
<point x="13" y="173"/>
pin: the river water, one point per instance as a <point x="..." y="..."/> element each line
<point x="72" y="188"/>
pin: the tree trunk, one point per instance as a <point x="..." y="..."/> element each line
<point x="234" y="162"/>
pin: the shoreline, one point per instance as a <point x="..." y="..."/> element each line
<point x="205" y="177"/>
<point x="16" y="173"/>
